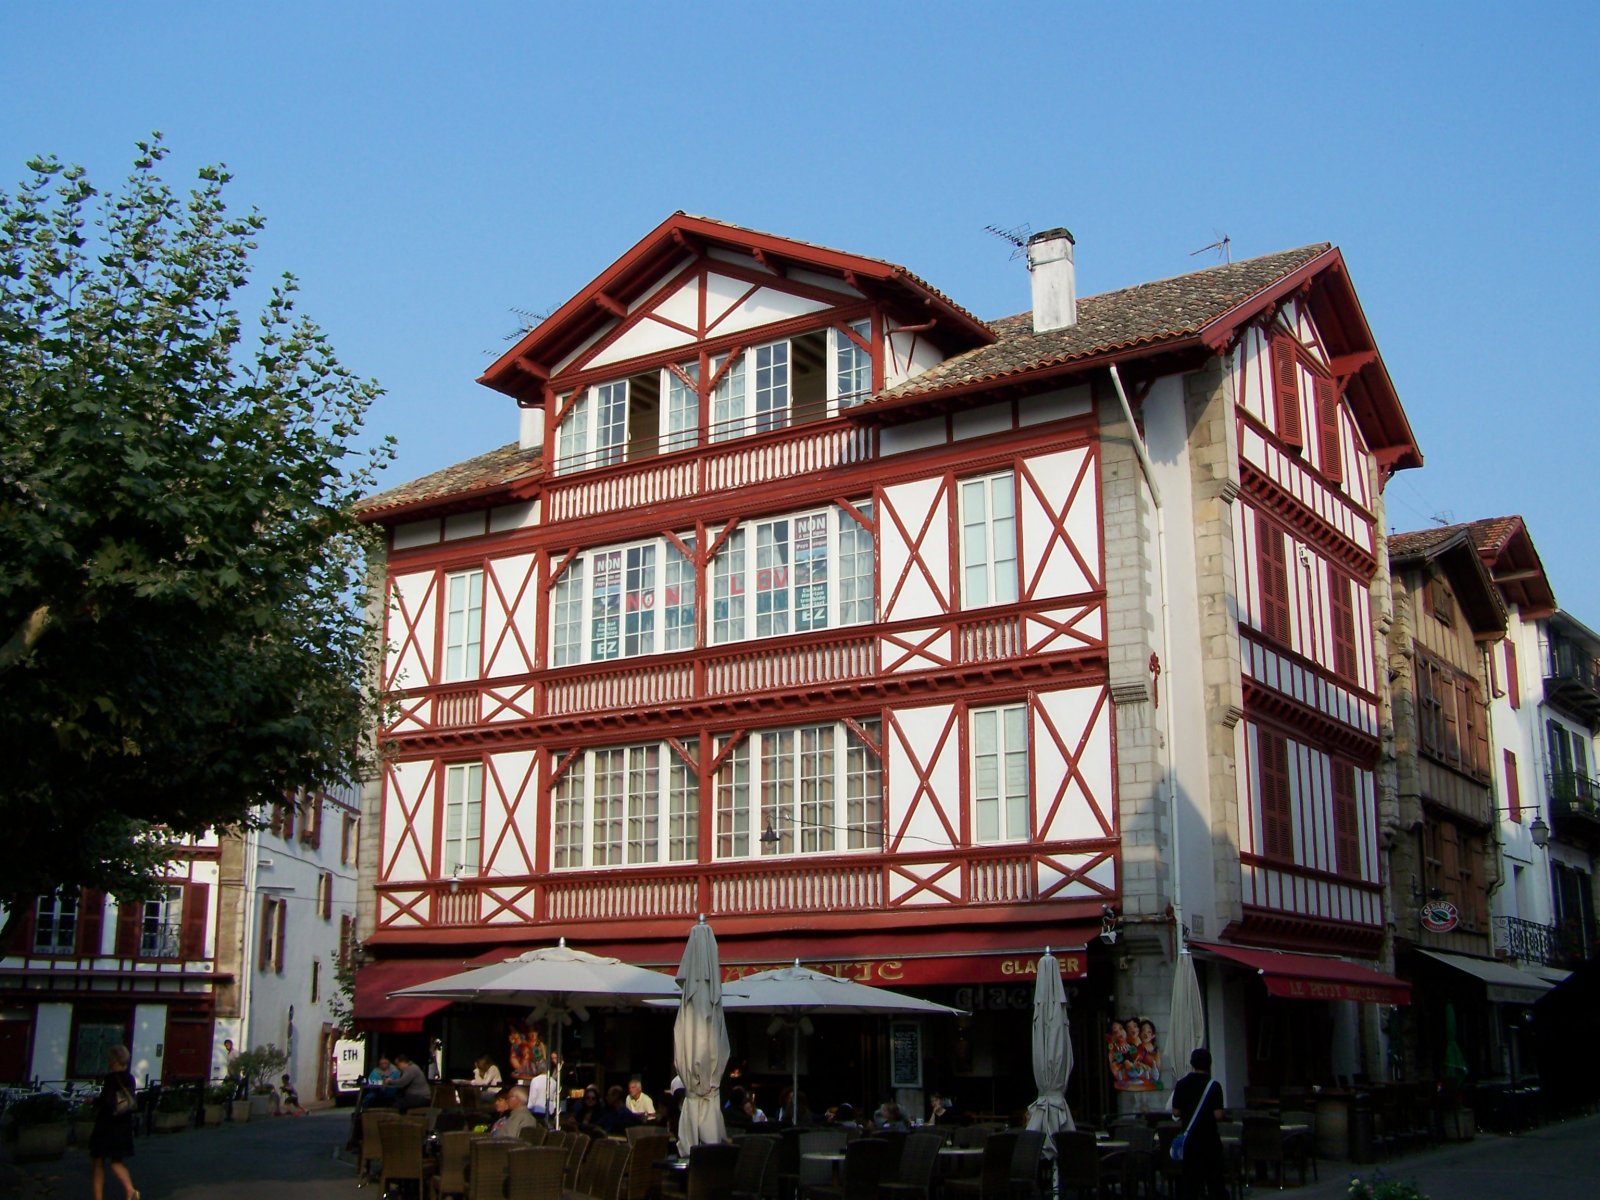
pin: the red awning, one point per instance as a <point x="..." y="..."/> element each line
<point x="1309" y="977"/>
<point x="375" y="1012"/>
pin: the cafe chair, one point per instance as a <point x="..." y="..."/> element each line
<point x="754" y="1166"/>
<point x="1081" y="1169"/>
<point x="913" y="1180"/>
<point x="644" y="1165"/>
<point x="993" y="1181"/>
<point x="455" y="1151"/>
<point x="711" y="1166"/>
<point x="534" y="1173"/>
<point x="577" y="1150"/>
<point x="402" y="1157"/>
<point x="487" y="1178"/>
<point x="1300" y="1147"/>
<point x="371" y="1145"/>
<point x="444" y="1095"/>
<point x="864" y="1160"/>
<point x="1025" y="1163"/>
<point x="1263" y="1147"/>
<point x="534" y="1134"/>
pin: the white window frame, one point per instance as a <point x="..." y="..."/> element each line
<point x="849" y="362"/>
<point x="1001" y="807"/>
<point x="989" y="542"/>
<point x="463" y="626"/>
<point x="818" y="789"/>
<point x="746" y="571"/>
<point x="161" y="923"/>
<point x="57" y="916"/>
<point x="461" y="850"/>
<point x="680" y="408"/>
<point x="625" y="806"/>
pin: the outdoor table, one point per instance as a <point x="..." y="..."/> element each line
<point x="834" y="1159"/>
<point x="1109" y="1145"/>
<point x="960" y="1160"/>
<point x="1301" y="1128"/>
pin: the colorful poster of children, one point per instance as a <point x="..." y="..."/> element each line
<point x="1133" y="1055"/>
<point x="527" y="1051"/>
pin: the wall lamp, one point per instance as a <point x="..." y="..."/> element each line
<point x="1110" y="925"/>
<point x="1537" y="829"/>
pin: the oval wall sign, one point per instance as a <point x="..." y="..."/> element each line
<point x="1440" y="916"/>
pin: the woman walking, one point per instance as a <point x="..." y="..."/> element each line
<point x="112" y="1139"/>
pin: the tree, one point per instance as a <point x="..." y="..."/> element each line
<point x="183" y="590"/>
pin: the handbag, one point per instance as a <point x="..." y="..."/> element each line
<point x="1176" y="1150"/>
<point x="122" y="1102"/>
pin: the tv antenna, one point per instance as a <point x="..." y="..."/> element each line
<point x="1017" y="235"/>
<point x="527" y="322"/>
<point x="1443" y="517"/>
<point x="1223" y="246"/>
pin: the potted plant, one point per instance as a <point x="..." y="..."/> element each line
<point x="38" y="1126"/>
<point x="218" y="1096"/>
<point x="259" y="1067"/>
<point x="173" y="1110"/>
<point x="82" y="1122"/>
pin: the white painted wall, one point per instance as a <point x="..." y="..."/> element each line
<point x="52" y="1041"/>
<point x="149" y="1041"/>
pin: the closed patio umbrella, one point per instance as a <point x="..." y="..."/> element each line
<point x="555" y="981"/>
<point x="1052" y="1052"/>
<point x="700" y="1041"/>
<point x="1186" y="1028"/>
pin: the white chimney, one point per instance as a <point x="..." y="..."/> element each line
<point x="530" y="431"/>
<point x="1055" y="280"/>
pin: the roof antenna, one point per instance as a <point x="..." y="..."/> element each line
<point x="527" y="322"/>
<point x="1017" y="235"/>
<point x="1223" y="246"/>
<point x="1443" y="517"/>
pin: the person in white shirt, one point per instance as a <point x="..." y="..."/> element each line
<point x="638" y="1103"/>
<point x="542" y="1094"/>
<point x="486" y="1077"/>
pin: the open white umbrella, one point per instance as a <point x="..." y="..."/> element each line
<point x="1186" y="1028"/>
<point x="796" y="993"/>
<point x="1052" y="1052"/>
<point x="557" y="982"/>
<point x="700" y="1041"/>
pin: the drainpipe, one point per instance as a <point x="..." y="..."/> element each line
<point x="252" y="849"/>
<point x="1148" y="470"/>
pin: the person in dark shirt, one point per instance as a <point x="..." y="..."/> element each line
<point x="1202" y="1150"/>
<point x="411" y="1087"/>
<point x="616" y="1118"/>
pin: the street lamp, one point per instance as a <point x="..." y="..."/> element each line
<point x="1537" y="829"/>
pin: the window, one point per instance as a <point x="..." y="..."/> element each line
<point x="161" y="924"/>
<point x="1513" y="787"/>
<point x="609" y="805"/>
<point x="311" y="820"/>
<point x="1329" y="452"/>
<point x="1272" y="562"/>
<point x="1452" y="725"/>
<point x="817" y="789"/>
<point x="727" y="399"/>
<point x="325" y="895"/>
<point x="678" y="598"/>
<point x="274" y="931"/>
<point x="1346" y="822"/>
<point x="316" y="980"/>
<point x="988" y="540"/>
<point x="1513" y="680"/>
<point x="463" y="818"/>
<point x="772" y="386"/>
<point x="852" y="364"/>
<point x="1000" y="774"/>
<point x="1346" y="664"/>
<point x="55" y="925"/>
<point x="463" y="625"/>
<point x="1276" y="838"/>
<point x="347" y="839"/>
<point x="1286" y="391"/>
<point x="683" y="408"/>
<point x="790" y="575"/>
<point x="566" y="606"/>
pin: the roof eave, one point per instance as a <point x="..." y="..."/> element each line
<point x="450" y="502"/>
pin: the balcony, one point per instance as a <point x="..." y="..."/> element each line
<point x="1572" y="679"/>
<point x="1574" y="805"/>
<point x="1560" y="945"/>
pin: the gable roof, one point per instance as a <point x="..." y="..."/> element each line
<point x="503" y="474"/>
<point x="1507" y="552"/>
<point x="521" y="370"/>
<point x="1198" y="314"/>
<point x="1451" y="551"/>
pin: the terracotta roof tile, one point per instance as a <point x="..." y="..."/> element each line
<point x="495" y="469"/>
<point x="1147" y="314"/>
<point x="1419" y="542"/>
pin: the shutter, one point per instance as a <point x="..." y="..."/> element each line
<point x="1345" y="662"/>
<point x="1277" y="827"/>
<point x="314" y="821"/>
<point x="196" y="902"/>
<point x="1513" y="788"/>
<point x="1272" y="560"/>
<point x="1450" y="862"/>
<point x="1513" y="682"/>
<point x="1331" y="460"/>
<point x="1473" y="696"/>
<point x="21" y="941"/>
<point x="277" y="949"/>
<point x="1447" y="692"/>
<point x="91" y="920"/>
<point x="130" y="914"/>
<point x="1346" y="827"/>
<point x="344" y="841"/>
<point x="327" y="896"/>
<point x="1286" y="391"/>
<point x="288" y="819"/>
<point x="264" y="940"/>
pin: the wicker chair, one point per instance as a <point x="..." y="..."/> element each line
<point x="577" y="1150"/>
<point x="488" y="1178"/>
<point x="403" y="1161"/>
<point x="1081" y="1169"/>
<point x="533" y="1135"/>
<point x="1263" y="1147"/>
<point x="455" y="1151"/>
<point x="612" y="1169"/>
<point x="711" y="1171"/>
<point x="1025" y="1159"/>
<point x="371" y="1142"/>
<point x="863" y="1171"/>
<point x="644" y="1175"/>
<point x="994" y="1179"/>
<point x="754" y="1165"/>
<point x="534" y="1173"/>
<point x="918" y="1160"/>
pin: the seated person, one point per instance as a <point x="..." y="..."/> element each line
<point x="486" y="1077"/>
<point x="844" y="1117"/>
<point x="517" y="1117"/>
<point x="290" y="1099"/>
<point x="379" y="1090"/>
<point x="586" y="1110"/>
<point x="411" y="1086"/>
<point x="736" y="1109"/>
<point x="638" y="1103"/>
<point x="616" y="1118"/>
<point x="889" y="1116"/>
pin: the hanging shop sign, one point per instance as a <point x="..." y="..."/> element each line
<point x="1440" y="916"/>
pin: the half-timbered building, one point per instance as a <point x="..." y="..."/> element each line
<point x="901" y="643"/>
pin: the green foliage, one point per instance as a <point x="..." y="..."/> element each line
<point x="342" y="1000"/>
<point x="262" y="1066"/>
<point x="1381" y="1188"/>
<point x="41" y="1108"/>
<point x="183" y="586"/>
<point x="219" y="1093"/>
<point x="176" y="1100"/>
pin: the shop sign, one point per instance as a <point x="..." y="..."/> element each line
<point x="933" y="969"/>
<point x="1440" y="916"/>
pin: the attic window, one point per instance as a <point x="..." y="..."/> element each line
<point x="1436" y="599"/>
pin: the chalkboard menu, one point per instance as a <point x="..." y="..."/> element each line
<point x="905" y="1055"/>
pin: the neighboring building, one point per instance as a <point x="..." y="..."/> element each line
<point x="84" y="973"/>
<point x="812" y="603"/>
<point x="1448" y="620"/>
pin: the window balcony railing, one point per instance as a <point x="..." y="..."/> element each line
<point x="1572" y="679"/>
<point x="1574" y="802"/>
<point x="1526" y="941"/>
<point x="161" y="941"/>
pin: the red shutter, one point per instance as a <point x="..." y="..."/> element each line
<point x="327" y="896"/>
<point x="1346" y="825"/>
<point x="344" y="841"/>
<point x="1328" y="449"/>
<point x="1477" y="727"/>
<point x="22" y="936"/>
<point x="264" y="940"/>
<point x="1277" y="826"/>
<point x="130" y="914"/>
<point x="288" y="819"/>
<point x="91" y="919"/>
<point x="1513" y="683"/>
<point x="316" y="822"/>
<point x="1286" y="391"/>
<point x="1346" y="664"/>
<point x="1513" y="788"/>
<point x="196" y="901"/>
<point x="1272" y="561"/>
<point x="277" y="955"/>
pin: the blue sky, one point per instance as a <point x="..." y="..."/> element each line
<point x="426" y="168"/>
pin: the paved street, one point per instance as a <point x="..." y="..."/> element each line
<point x="296" y="1157"/>
<point x="260" y="1160"/>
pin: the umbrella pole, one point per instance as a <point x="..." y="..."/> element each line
<point x="552" y="1113"/>
<point x="794" y="1063"/>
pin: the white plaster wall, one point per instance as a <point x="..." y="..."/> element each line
<point x="922" y="729"/>
<point x="420" y="595"/>
<point x="52" y="1041"/>
<point x="1521" y="731"/>
<point x="149" y="1041"/>
<point x="510" y="578"/>
<point x="408" y="783"/>
<point x="912" y="503"/>
<point x="510" y="785"/>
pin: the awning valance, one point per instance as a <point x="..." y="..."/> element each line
<point x="375" y="1012"/>
<point x="1504" y="983"/>
<point x="1311" y="977"/>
